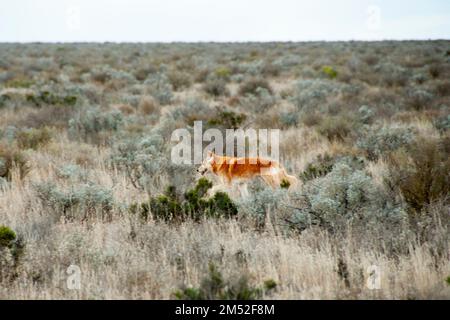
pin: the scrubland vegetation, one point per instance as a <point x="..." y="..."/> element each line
<point x="86" y="177"/>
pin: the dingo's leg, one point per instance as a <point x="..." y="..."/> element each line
<point x="243" y="190"/>
<point x="268" y="179"/>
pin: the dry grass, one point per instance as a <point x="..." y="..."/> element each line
<point x="122" y="256"/>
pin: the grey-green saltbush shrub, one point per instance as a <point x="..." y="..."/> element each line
<point x="391" y="74"/>
<point x="216" y="87"/>
<point x="263" y="201"/>
<point x="89" y="126"/>
<point x="365" y="114"/>
<point x="342" y="197"/>
<point x="193" y="110"/>
<point x="159" y="86"/>
<point x="259" y="101"/>
<point x="72" y="172"/>
<point x="139" y="158"/>
<point x="308" y="94"/>
<point x="377" y="141"/>
<point x="79" y="202"/>
<point x="442" y="123"/>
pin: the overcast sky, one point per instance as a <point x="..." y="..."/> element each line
<point x="224" y="20"/>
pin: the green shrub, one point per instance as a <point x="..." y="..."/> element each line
<point x="329" y="71"/>
<point x="193" y="205"/>
<point x="7" y="236"/>
<point x="19" y="83"/>
<point x="214" y="287"/>
<point x="33" y="138"/>
<point x="223" y="72"/>
<point x="12" y="249"/>
<point x="320" y="167"/>
<point x="323" y="165"/>
<point x="228" y="119"/>
<point x="48" y="98"/>
<point x="4" y="98"/>
<point x="11" y="157"/>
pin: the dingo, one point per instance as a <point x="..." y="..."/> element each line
<point x="230" y="169"/>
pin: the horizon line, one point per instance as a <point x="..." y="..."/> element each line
<point x="223" y="42"/>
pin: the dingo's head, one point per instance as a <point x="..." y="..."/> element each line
<point x="206" y="164"/>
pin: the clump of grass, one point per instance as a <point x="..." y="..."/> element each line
<point x="34" y="138"/>
<point x="214" y="287"/>
<point x="10" y="158"/>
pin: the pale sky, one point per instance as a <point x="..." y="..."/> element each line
<point x="224" y="20"/>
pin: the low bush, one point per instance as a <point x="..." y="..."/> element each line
<point x="12" y="249"/>
<point x="251" y="86"/>
<point x="223" y="72"/>
<point x="193" y="205"/>
<point x="345" y="196"/>
<point x="48" y="98"/>
<point x="216" y="87"/>
<point x="79" y="202"/>
<point x="421" y="173"/>
<point x="89" y="126"/>
<point x="227" y="119"/>
<point x="378" y="141"/>
<point x="336" y="127"/>
<point x="159" y="86"/>
<point x="148" y="105"/>
<point x="214" y="287"/>
<point x="179" y="80"/>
